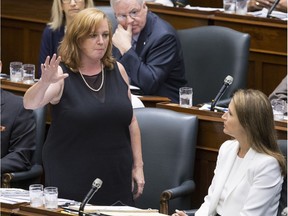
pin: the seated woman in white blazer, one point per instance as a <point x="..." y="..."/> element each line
<point x="249" y="171"/>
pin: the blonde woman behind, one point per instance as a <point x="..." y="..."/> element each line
<point x="62" y="14"/>
<point x="250" y="168"/>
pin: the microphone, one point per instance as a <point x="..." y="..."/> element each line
<point x="95" y="187"/>
<point x="272" y="8"/>
<point x="227" y="81"/>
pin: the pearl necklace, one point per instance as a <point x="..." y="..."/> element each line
<point x="102" y="82"/>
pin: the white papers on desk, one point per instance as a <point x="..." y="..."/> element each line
<point x="167" y="3"/>
<point x="17" y="195"/>
<point x="118" y="210"/>
<point x="208" y="106"/>
<point x="203" y="8"/>
<point x="14" y="195"/>
<point x="264" y="11"/>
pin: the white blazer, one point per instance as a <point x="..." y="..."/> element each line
<point x="255" y="189"/>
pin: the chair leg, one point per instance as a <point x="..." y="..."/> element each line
<point x="164" y="207"/>
<point x="6" y="179"/>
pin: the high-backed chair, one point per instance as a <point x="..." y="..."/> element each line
<point x="283" y="199"/>
<point x="110" y="13"/>
<point x="168" y="144"/>
<point x="210" y="54"/>
<point x="24" y="178"/>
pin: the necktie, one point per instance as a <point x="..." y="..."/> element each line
<point x="134" y="43"/>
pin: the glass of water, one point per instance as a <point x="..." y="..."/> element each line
<point x="51" y="197"/>
<point x="36" y="195"/>
<point x="16" y="71"/>
<point x="185" y="96"/>
<point x="28" y="73"/>
<point x="229" y="6"/>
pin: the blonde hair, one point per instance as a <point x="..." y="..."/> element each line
<point x="85" y="22"/>
<point x="57" y="15"/>
<point x="255" y="114"/>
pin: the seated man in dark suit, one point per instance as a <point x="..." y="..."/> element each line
<point x="149" y="49"/>
<point x="18" y="131"/>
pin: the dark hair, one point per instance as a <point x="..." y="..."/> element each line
<point x="255" y="114"/>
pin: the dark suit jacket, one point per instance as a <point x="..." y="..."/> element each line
<point x="18" y="137"/>
<point x="157" y="65"/>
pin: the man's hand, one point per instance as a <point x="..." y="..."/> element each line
<point x="122" y="38"/>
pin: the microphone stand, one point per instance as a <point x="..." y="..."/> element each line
<point x="69" y="210"/>
<point x="95" y="187"/>
<point x="85" y="201"/>
<point x="272" y="8"/>
<point x="227" y="82"/>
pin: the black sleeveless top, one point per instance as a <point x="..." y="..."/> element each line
<point x="89" y="138"/>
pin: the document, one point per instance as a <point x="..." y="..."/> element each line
<point x="14" y="195"/>
<point x="118" y="210"/>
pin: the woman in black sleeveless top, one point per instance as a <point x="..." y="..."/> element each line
<point x="93" y="133"/>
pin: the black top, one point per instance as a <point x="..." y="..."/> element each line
<point x="89" y="138"/>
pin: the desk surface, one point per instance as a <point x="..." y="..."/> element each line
<point x="280" y="126"/>
<point x="24" y="209"/>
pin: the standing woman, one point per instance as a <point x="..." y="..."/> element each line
<point x="249" y="171"/>
<point x="62" y="14"/>
<point x="93" y="133"/>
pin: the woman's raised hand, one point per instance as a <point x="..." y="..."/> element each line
<point x="51" y="71"/>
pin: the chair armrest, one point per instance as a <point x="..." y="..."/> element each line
<point x="35" y="171"/>
<point x="172" y="193"/>
<point x="181" y="190"/>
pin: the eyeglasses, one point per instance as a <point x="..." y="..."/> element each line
<point x="133" y="14"/>
<point x="69" y="1"/>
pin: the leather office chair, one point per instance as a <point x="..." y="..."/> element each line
<point x="283" y="199"/>
<point x="210" y="54"/>
<point x="24" y="178"/>
<point x="168" y="144"/>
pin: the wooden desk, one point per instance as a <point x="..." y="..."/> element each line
<point x="210" y="137"/>
<point x="24" y="209"/>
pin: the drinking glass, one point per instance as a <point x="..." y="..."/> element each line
<point x="16" y="71"/>
<point x="28" y="73"/>
<point x="185" y="96"/>
<point x="51" y="197"/>
<point x="36" y="195"/>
